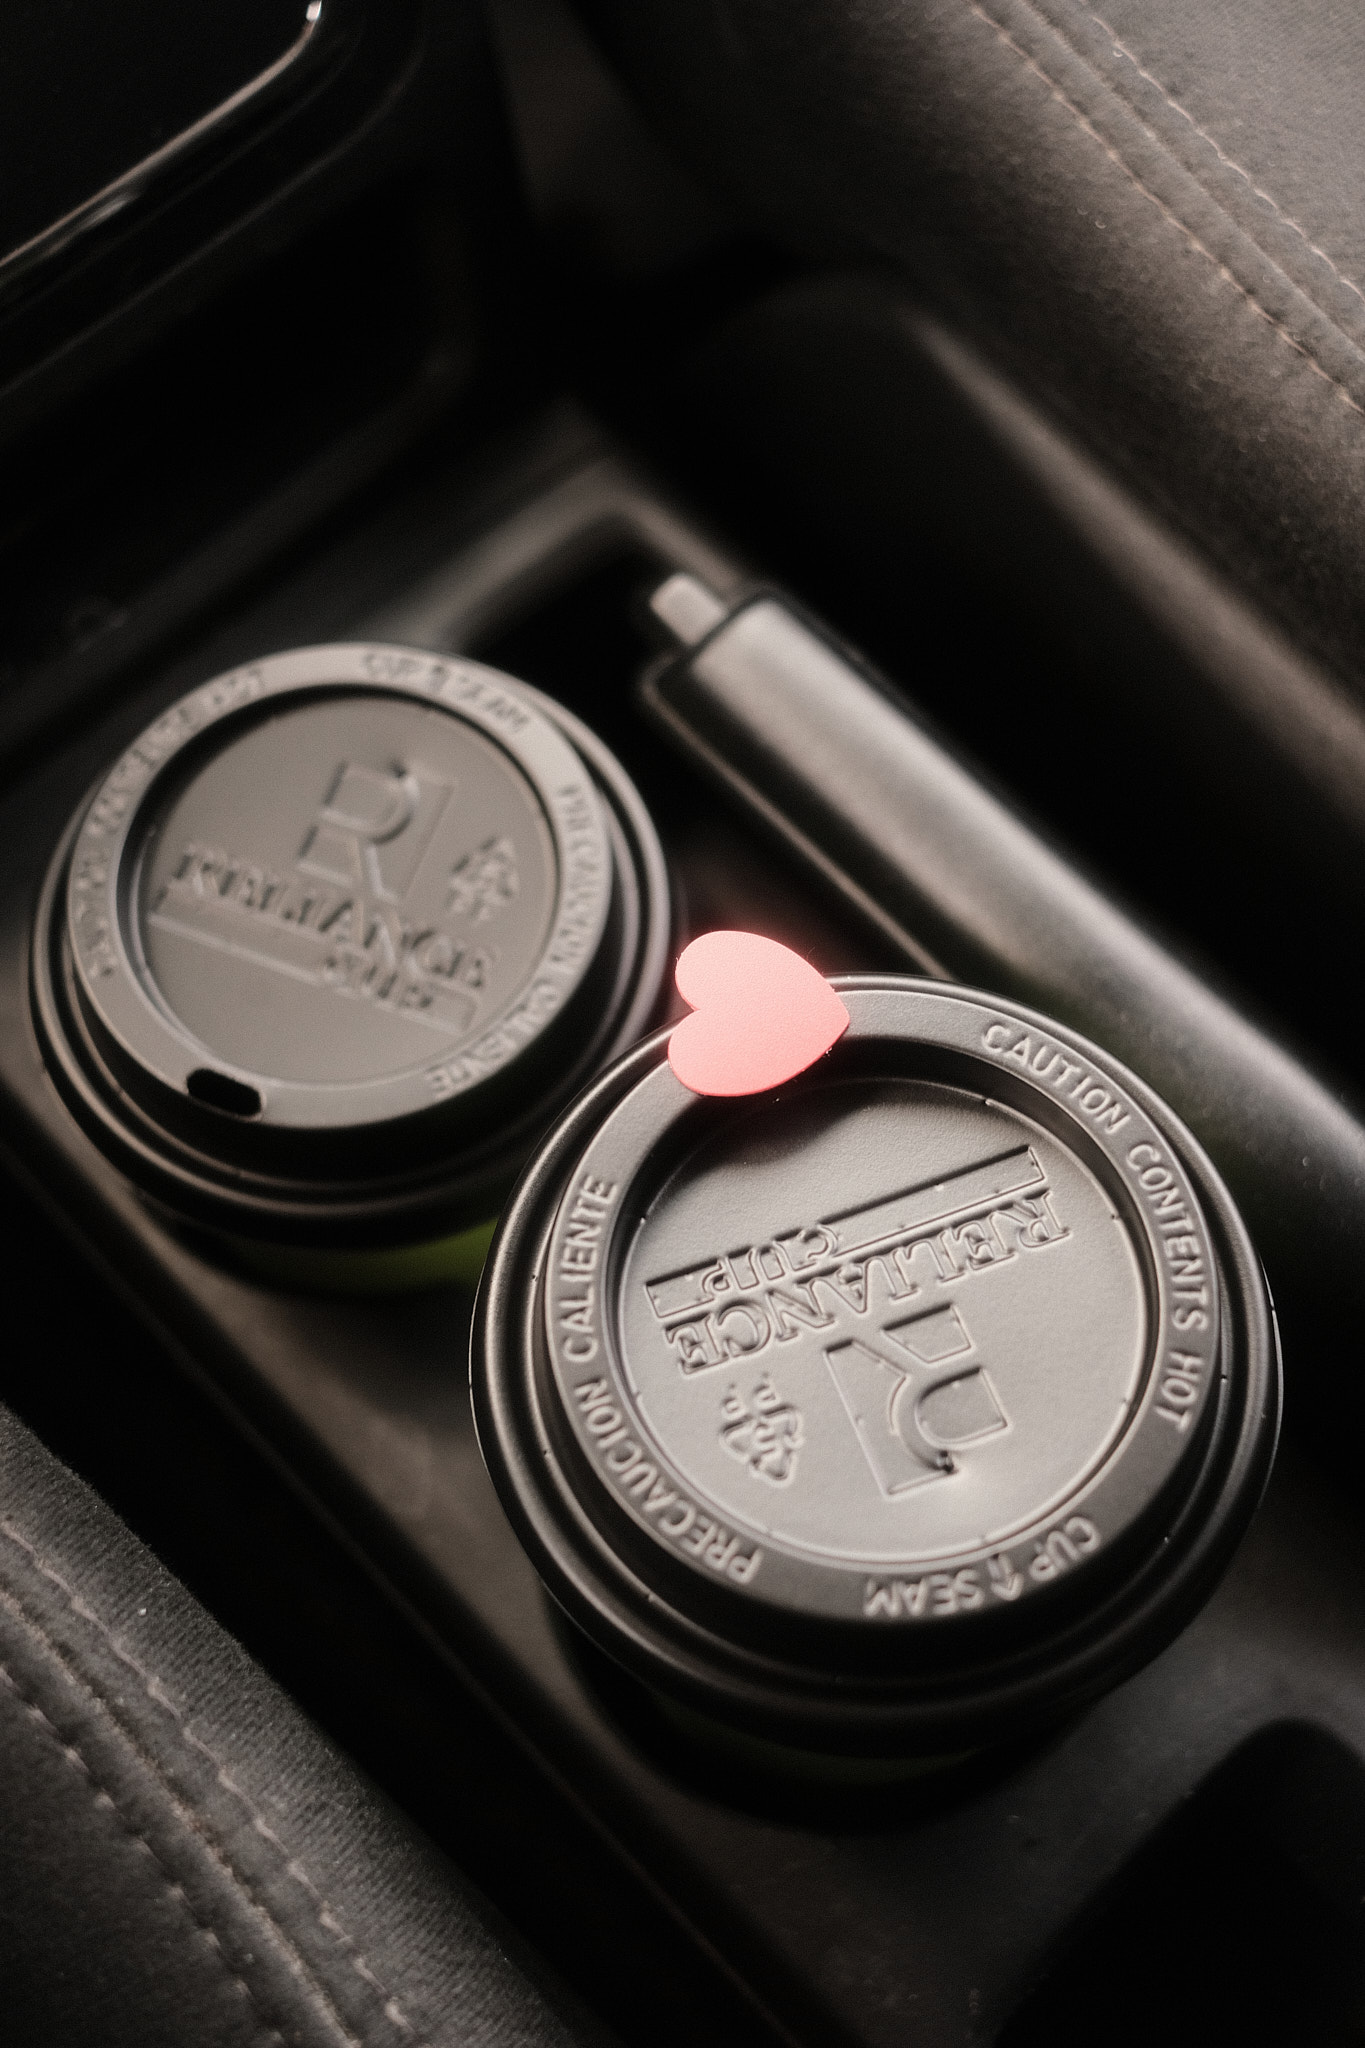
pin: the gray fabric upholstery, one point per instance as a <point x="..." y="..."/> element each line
<point x="1152" y="212"/>
<point x="183" y="1858"/>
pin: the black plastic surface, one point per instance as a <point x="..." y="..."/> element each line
<point x="378" y="90"/>
<point x="186" y="62"/>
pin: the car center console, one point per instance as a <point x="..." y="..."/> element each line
<point x="1170" y="1844"/>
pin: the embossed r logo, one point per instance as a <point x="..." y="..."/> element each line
<point x="366" y="809"/>
<point x="911" y="1399"/>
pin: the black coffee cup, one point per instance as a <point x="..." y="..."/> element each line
<point x="894" y="1410"/>
<point x="335" y="940"/>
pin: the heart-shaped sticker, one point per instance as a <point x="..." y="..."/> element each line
<point x="761" y="1015"/>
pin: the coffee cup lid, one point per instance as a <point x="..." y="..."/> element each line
<point x="349" y="908"/>
<point x="894" y="1374"/>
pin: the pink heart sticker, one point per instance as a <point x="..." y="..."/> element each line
<point x="760" y="1015"/>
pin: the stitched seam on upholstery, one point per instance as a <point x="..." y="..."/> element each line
<point x="1229" y="163"/>
<point x="102" y="1796"/>
<point x="11" y="1599"/>
<point x="329" y="1922"/>
<point x="1059" y="93"/>
<point x="1174" y="104"/>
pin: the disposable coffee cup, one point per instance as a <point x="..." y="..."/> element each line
<point x="334" y="941"/>
<point x="893" y="1410"/>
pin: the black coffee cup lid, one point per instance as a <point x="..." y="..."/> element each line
<point x="345" y="916"/>
<point x="911" y="1394"/>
